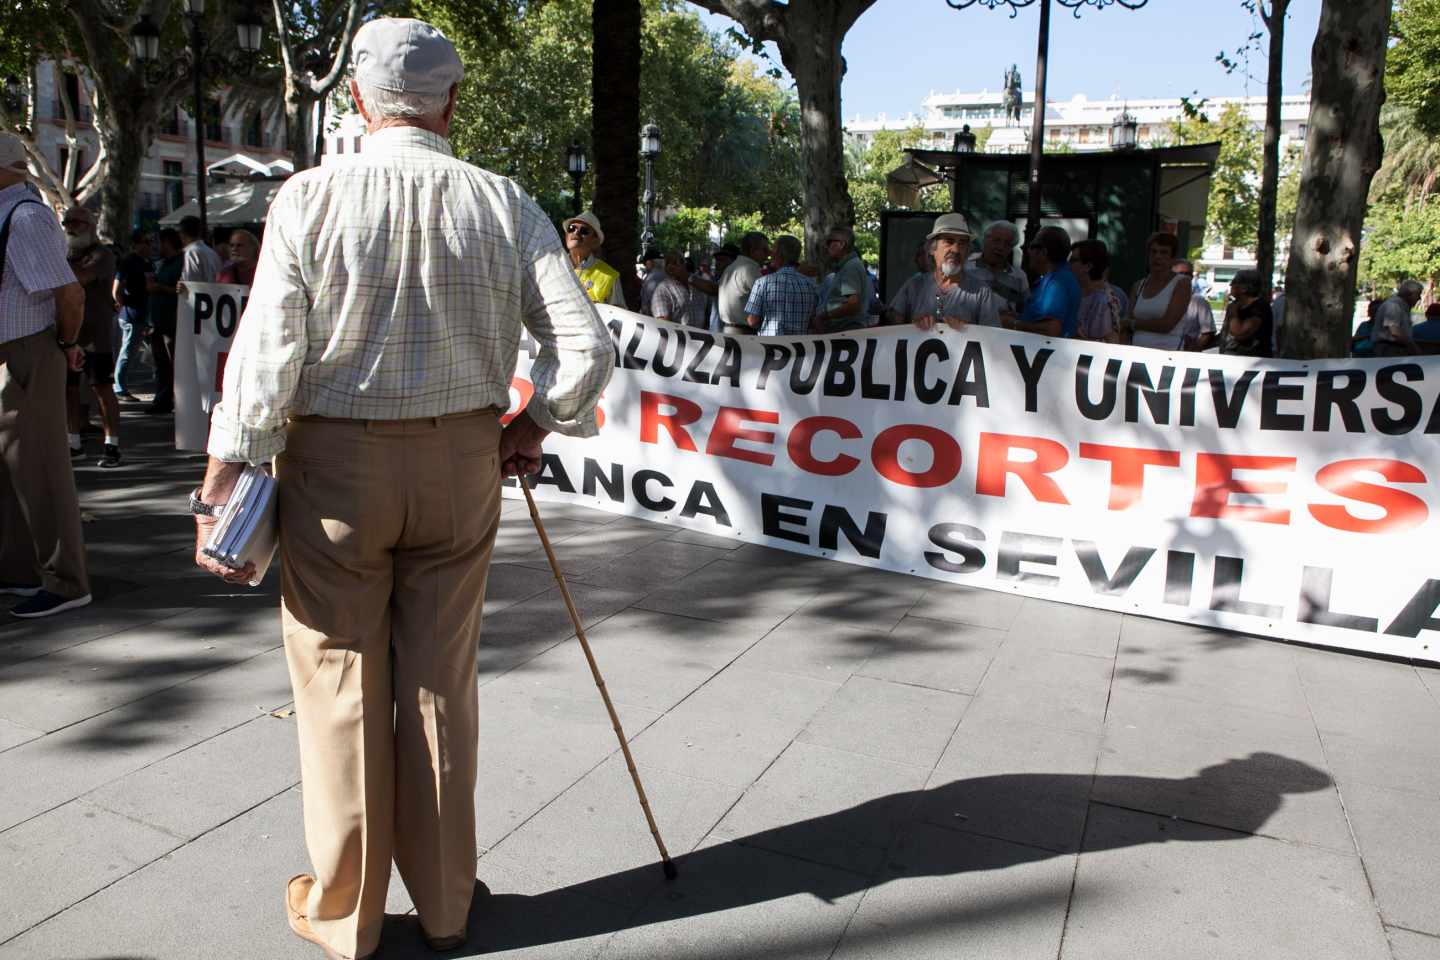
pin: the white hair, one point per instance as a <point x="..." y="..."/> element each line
<point x="388" y="104"/>
<point x="1004" y="225"/>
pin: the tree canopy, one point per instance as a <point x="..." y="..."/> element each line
<point x="1412" y="64"/>
<point x="729" y="133"/>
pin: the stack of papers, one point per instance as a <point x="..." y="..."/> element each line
<point x="247" y="529"/>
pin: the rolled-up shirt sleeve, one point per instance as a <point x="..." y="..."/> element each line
<point x="576" y="356"/>
<point x="266" y="357"/>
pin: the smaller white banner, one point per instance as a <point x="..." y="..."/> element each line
<point x="209" y="316"/>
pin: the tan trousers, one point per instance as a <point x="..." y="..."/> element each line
<point x="40" y="538"/>
<point x="386" y="529"/>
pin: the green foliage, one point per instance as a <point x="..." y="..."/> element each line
<point x="866" y="170"/>
<point x="1412" y="64"/>
<point x="1287" y="195"/>
<point x="1233" y="215"/>
<point x="690" y="229"/>
<point x="730" y="135"/>
<point x="1400" y="241"/>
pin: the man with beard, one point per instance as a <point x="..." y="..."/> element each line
<point x="995" y="266"/>
<point x="93" y="264"/>
<point x="948" y="293"/>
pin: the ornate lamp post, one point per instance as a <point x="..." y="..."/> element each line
<point x="1123" y="131"/>
<point x="145" y="44"/>
<point x="575" y="163"/>
<point x="649" y="150"/>
<point x="1037" y="122"/>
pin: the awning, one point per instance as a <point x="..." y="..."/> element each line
<point x="232" y="205"/>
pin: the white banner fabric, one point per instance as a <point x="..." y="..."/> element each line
<point x="1273" y="497"/>
<point x="208" y="317"/>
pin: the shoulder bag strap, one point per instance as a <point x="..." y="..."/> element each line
<point x="5" y="232"/>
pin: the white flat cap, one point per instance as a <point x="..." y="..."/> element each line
<point x="12" y="154"/>
<point x="405" y="56"/>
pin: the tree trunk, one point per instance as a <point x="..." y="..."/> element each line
<point x="299" y="107"/>
<point x="615" y="133"/>
<point x="1342" y="153"/>
<point x="811" y="52"/>
<point x="1270" y="173"/>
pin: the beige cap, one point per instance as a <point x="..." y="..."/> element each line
<point x="405" y="56"/>
<point x="590" y="220"/>
<point x="950" y="224"/>
<point x="12" y="154"/>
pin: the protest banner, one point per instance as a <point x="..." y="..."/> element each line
<point x="1283" y="498"/>
<point x="208" y="317"/>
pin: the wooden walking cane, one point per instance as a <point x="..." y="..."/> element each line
<point x="666" y="863"/>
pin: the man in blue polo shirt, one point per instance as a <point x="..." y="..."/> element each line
<point x="1053" y="309"/>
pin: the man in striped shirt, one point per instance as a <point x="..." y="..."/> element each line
<point x="42" y="552"/>
<point x="374" y="360"/>
<point x="782" y="303"/>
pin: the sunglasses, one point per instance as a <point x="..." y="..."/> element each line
<point x="578" y="229"/>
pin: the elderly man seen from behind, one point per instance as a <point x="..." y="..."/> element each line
<point x="42" y="308"/>
<point x="782" y="303"/>
<point x="994" y="265"/>
<point x="374" y="361"/>
<point x="1393" y="331"/>
<point x="947" y="294"/>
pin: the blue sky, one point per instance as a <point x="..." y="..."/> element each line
<point x="900" y="50"/>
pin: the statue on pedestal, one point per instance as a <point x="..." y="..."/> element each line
<point x="1013" y="95"/>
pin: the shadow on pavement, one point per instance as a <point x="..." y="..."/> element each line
<point x="908" y="829"/>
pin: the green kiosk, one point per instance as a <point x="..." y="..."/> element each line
<point x="1118" y="196"/>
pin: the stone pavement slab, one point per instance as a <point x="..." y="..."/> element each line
<point x="846" y="763"/>
<point x="1209" y="893"/>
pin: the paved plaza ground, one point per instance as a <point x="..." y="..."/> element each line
<point x="847" y="764"/>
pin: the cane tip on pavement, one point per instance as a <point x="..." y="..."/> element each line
<point x="670" y="871"/>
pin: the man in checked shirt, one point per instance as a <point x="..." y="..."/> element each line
<point x="373" y="361"/>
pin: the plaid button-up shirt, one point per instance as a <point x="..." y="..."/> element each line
<point x="35" y="265"/>
<point x="392" y="286"/>
<point x="784" y="301"/>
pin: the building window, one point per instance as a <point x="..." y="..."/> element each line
<point x="174" y="183"/>
<point x="255" y="131"/>
<point x="171" y="123"/>
<point x="213" y="113"/>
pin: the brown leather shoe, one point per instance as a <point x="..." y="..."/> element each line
<point x="297" y="893"/>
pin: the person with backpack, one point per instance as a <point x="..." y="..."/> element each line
<point x="42" y="305"/>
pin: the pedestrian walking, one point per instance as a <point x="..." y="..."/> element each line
<point x="375" y="371"/>
<point x="42" y="306"/>
<point x="132" y="299"/>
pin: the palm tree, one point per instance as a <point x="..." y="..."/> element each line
<point x="615" y="132"/>
<point x="1412" y="158"/>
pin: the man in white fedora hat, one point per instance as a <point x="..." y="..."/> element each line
<point x="583" y="239"/>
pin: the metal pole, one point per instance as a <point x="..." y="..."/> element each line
<point x="575" y="199"/>
<point x="197" y="52"/>
<point x="647" y="239"/>
<point x="1037" y="125"/>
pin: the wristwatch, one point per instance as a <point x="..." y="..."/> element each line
<point x="201" y="508"/>
<point x="66" y="344"/>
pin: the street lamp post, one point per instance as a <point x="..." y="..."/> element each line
<point x="145" y="43"/>
<point x="649" y="150"/>
<point x="575" y="163"/>
<point x="1123" y="131"/>
<point x="1042" y="55"/>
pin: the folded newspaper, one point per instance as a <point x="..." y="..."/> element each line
<point x="246" y="532"/>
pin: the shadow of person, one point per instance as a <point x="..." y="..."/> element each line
<point x="975" y="824"/>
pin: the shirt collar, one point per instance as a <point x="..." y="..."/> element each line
<point x="395" y="139"/>
<point x="587" y="263"/>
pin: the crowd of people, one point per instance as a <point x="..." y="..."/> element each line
<point x="130" y="309"/>
<point x="762" y="288"/>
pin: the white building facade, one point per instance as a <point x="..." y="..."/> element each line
<point x="1083" y="125"/>
<point x="236" y="144"/>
